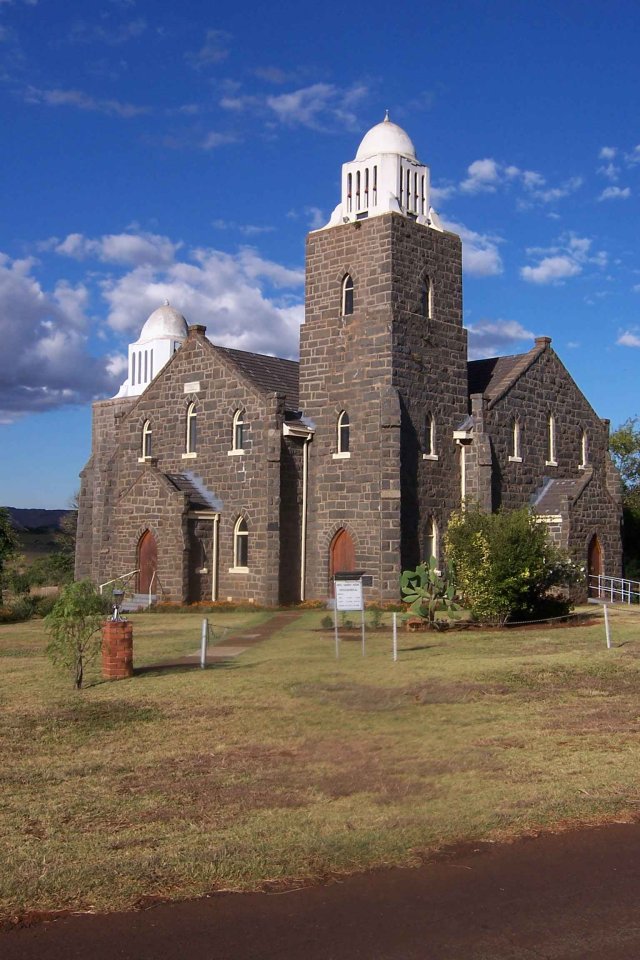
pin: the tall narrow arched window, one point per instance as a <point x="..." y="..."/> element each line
<point x="191" y="438"/>
<point x="342" y="431"/>
<point x="358" y="190"/>
<point x="551" y="441"/>
<point x="375" y="185"/>
<point x="584" y="449"/>
<point x="241" y="544"/>
<point x="429" y="442"/>
<point x="347" y="296"/>
<point x="349" y="191"/>
<point x="238" y="431"/>
<point x="426" y="298"/>
<point x="366" y="187"/>
<point x="515" y="441"/>
<point x="146" y="439"/>
<point x="431" y="543"/>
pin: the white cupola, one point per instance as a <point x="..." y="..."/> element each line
<point x="164" y="331"/>
<point x="385" y="176"/>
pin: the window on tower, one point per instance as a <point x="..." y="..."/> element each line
<point x="347" y="296"/>
<point x="342" y="436"/>
<point x="429" y="443"/>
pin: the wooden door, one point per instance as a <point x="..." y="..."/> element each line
<point x="594" y="565"/>
<point x="342" y="554"/>
<point x="147" y="562"/>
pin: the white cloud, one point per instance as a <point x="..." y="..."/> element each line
<point x="480" y="255"/>
<point x="634" y="156"/>
<point x="629" y="339"/>
<point x="615" y="193"/>
<point x="232" y="294"/>
<point x="441" y="193"/>
<point x="607" y="153"/>
<point x="114" y="35"/>
<point x="491" y="337"/>
<point x="128" y="249"/>
<point x="318" y="105"/>
<point x="82" y="101"/>
<point x="483" y="177"/>
<point x="551" y="270"/>
<point x="610" y="171"/>
<point x="565" y="259"/>
<point x="45" y="362"/>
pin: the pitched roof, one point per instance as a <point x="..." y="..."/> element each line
<point x="554" y="493"/>
<point x="269" y="374"/>
<point x="494" y="376"/>
<point x="200" y="498"/>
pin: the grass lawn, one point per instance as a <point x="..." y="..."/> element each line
<point x="286" y="765"/>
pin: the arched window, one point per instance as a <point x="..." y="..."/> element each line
<point x="342" y="437"/>
<point x="347" y="296"/>
<point x="358" y="190"/>
<point x="241" y="544"/>
<point x="426" y="298"/>
<point x="432" y="539"/>
<point x="349" y="191"/>
<point x="191" y="439"/>
<point x="375" y="185"/>
<point x="146" y="439"/>
<point x="238" y="431"/>
<point x="430" y="437"/>
<point x="584" y="449"/>
<point x="516" y="455"/>
<point x="551" y="441"/>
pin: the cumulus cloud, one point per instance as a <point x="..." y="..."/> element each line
<point x="615" y="193"/>
<point x="128" y="249"/>
<point x="483" y="176"/>
<point x="610" y="171"/>
<point x="216" y="139"/>
<point x="629" y="339"/>
<point x="82" y="101"/>
<point x="45" y="362"/>
<point x="565" y="259"/>
<point x="489" y="338"/>
<point x="244" y="300"/>
<point x="607" y="153"/>
<point x="480" y="254"/>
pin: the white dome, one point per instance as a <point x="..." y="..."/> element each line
<point x="386" y="137"/>
<point x="164" y="322"/>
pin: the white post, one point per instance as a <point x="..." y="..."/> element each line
<point x="335" y="626"/>
<point x="362" y="616"/>
<point x="203" y="643"/>
<point x="395" y="637"/>
<point x="606" y="626"/>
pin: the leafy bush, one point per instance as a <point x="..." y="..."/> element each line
<point x="53" y="570"/>
<point x="504" y="564"/>
<point x="327" y="622"/>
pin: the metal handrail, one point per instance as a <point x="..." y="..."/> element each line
<point x="150" y="586"/>
<point x="614" y="589"/>
<point x="125" y="576"/>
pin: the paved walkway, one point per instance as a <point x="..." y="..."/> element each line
<point x="569" y="896"/>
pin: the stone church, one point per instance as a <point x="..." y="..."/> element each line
<point x="220" y="474"/>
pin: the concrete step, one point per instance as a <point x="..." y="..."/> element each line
<point x="139" y="601"/>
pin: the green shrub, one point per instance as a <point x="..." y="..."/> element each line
<point x="504" y="564"/>
<point x="327" y="622"/>
<point x="426" y="591"/>
<point x="74" y="628"/>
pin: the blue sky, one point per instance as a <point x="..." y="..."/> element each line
<point x="156" y="150"/>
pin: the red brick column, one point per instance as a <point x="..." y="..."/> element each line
<point x="117" y="649"/>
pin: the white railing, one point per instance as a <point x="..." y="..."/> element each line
<point x="123" y="578"/>
<point x="614" y="589"/>
<point x="151" y="589"/>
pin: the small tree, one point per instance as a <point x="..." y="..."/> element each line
<point x="505" y="564"/>
<point x="74" y="628"/>
<point x="624" y="444"/>
<point x="8" y="541"/>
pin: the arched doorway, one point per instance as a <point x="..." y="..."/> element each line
<point x="147" y="562"/>
<point x="594" y="565"/>
<point x="342" y="554"/>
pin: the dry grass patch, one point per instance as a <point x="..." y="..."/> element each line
<point x="286" y="765"/>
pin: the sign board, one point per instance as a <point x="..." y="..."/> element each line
<point x="349" y="595"/>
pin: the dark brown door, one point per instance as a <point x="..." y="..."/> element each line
<point x="147" y="562"/>
<point x="342" y="554"/>
<point x="594" y="565"/>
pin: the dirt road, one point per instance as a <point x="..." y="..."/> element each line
<point x="570" y="896"/>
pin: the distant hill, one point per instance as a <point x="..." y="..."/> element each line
<point x="35" y="520"/>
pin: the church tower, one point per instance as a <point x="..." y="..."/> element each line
<point x="383" y="370"/>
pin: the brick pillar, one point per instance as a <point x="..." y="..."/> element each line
<point x="117" y="649"/>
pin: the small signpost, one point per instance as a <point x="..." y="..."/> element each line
<point x="349" y="597"/>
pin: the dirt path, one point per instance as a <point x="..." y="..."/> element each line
<point x="571" y="896"/>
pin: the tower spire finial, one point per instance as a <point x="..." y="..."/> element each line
<point x="386" y="117"/>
